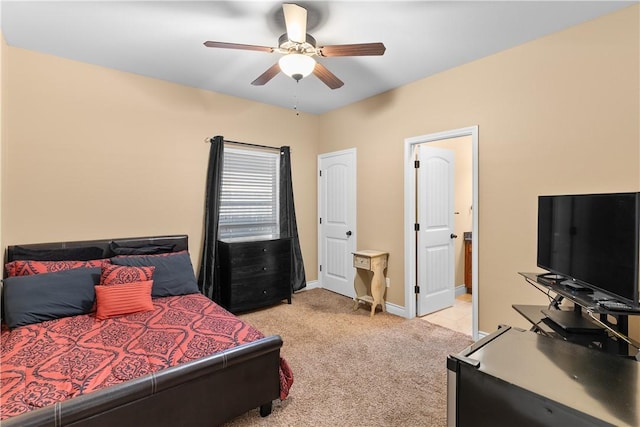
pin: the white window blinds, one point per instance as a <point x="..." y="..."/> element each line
<point x="250" y="194"/>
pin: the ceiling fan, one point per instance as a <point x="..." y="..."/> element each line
<point x="299" y="48"/>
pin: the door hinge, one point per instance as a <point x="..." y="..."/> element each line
<point x="320" y="173"/>
<point x="416" y="164"/>
<point x="320" y="220"/>
<point x="320" y="268"/>
<point x="416" y="227"/>
<point x="416" y="289"/>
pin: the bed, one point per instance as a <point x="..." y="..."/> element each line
<point x="182" y="361"/>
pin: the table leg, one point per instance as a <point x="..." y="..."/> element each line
<point x="377" y="289"/>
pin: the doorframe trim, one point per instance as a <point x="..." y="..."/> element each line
<point x="409" y="210"/>
<point x="354" y="230"/>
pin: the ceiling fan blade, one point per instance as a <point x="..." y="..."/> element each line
<point x="327" y="77"/>
<point x="295" y="18"/>
<point x="360" y="49"/>
<point x="239" y="46"/>
<point x="267" y="75"/>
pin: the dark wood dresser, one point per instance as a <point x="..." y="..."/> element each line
<point x="254" y="273"/>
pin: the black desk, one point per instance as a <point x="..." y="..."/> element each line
<point x="587" y="324"/>
<point x="519" y="378"/>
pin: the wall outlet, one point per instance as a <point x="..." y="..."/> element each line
<point x="388" y="282"/>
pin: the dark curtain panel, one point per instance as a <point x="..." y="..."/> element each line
<point x="288" y="225"/>
<point x="207" y="282"/>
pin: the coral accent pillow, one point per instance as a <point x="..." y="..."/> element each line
<point x="31" y="267"/>
<point x="119" y="274"/>
<point x="123" y="299"/>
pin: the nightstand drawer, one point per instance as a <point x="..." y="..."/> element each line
<point x="362" y="262"/>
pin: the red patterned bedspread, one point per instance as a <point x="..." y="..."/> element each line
<point x="55" y="360"/>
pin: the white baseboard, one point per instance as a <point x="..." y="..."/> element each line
<point x="460" y="290"/>
<point x="395" y="309"/>
<point x="313" y="284"/>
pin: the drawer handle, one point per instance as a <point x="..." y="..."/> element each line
<point x="264" y="291"/>
<point x="264" y="268"/>
<point x="264" y="249"/>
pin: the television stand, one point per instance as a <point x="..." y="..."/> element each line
<point x="589" y="323"/>
<point x="568" y="325"/>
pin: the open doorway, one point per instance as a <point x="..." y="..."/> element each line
<point x="447" y="140"/>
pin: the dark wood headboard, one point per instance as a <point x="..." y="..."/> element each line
<point x="180" y="243"/>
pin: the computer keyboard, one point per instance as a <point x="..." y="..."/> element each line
<point x="615" y="305"/>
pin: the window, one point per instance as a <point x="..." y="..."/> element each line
<point x="250" y="194"/>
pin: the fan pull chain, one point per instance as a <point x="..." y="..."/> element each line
<point x="295" y="98"/>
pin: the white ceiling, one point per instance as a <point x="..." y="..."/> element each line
<point x="164" y="39"/>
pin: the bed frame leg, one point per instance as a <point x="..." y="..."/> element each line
<point x="265" y="409"/>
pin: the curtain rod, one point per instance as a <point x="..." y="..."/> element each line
<point x="245" y="143"/>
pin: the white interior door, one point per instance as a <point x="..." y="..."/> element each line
<point x="337" y="220"/>
<point x="435" y="196"/>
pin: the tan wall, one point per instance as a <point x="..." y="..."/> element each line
<point x="2" y="145"/>
<point x="463" y="199"/>
<point x="557" y="115"/>
<point x="97" y="153"/>
<point x="3" y="47"/>
<point x="91" y="152"/>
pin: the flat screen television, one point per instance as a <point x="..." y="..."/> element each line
<point x="592" y="240"/>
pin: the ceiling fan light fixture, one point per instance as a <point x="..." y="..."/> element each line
<point x="299" y="48"/>
<point x="297" y="65"/>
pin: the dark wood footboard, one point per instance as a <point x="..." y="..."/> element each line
<point x="205" y="392"/>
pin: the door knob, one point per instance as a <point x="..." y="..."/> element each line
<point x="454" y="236"/>
<point x="348" y="233"/>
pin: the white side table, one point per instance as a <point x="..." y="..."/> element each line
<point x="376" y="262"/>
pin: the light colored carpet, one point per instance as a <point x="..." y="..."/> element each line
<point x="350" y="370"/>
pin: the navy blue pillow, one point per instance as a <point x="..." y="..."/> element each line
<point x="40" y="297"/>
<point x="173" y="274"/>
